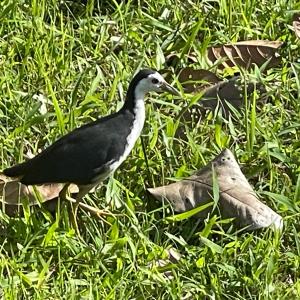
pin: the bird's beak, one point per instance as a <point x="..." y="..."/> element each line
<point x="169" y="89"/>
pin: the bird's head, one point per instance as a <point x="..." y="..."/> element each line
<point x="147" y="80"/>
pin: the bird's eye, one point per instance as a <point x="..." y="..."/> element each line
<point x="154" y="81"/>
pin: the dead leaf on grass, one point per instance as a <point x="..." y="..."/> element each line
<point x="237" y="198"/>
<point x="229" y="91"/>
<point x="166" y="264"/>
<point x="12" y="192"/>
<point x="296" y="24"/>
<point x="222" y="94"/>
<point x="246" y="53"/>
<point x="194" y="80"/>
<point x="215" y="94"/>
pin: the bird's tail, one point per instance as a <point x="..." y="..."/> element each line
<point x="15" y="171"/>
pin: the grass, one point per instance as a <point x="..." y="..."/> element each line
<point x="81" y="56"/>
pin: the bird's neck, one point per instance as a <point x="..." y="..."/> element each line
<point x="134" y="101"/>
<point x="134" y="106"/>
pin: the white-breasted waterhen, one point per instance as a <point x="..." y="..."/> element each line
<point x="91" y="153"/>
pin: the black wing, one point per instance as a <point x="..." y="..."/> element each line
<point x="79" y="156"/>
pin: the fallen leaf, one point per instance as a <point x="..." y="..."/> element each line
<point x="296" y="24"/>
<point x="216" y="94"/>
<point x="12" y="192"/>
<point x="166" y="265"/>
<point x="196" y="79"/>
<point x="229" y="91"/>
<point x="246" y="53"/>
<point x="222" y="94"/>
<point x="236" y="197"/>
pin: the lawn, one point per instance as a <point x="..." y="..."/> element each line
<point x="80" y="56"/>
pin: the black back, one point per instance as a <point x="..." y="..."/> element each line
<point x="83" y="154"/>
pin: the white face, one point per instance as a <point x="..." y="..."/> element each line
<point x="154" y="83"/>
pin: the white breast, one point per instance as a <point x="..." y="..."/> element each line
<point x="135" y="132"/>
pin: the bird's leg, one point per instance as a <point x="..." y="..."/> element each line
<point x="93" y="210"/>
<point x="74" y="210"/>
<point x="75" y="203"/>
<point x="63" y="192"/>
<point x="63" y="195"/>
<point x="83" y="190"/>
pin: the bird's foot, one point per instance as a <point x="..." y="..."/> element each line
<point x="93" y="210"/>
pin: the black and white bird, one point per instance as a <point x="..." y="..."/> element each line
<point x="89" y="154"/>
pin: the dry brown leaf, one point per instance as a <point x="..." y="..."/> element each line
<point x="12" y="192"/>
<point x="173" y="257"/>
<point x="246" y="53"/>
<point x="231" y="91"/>
<point x="196" y="79"/>
<point x="237" y="198"/>
<point x="296" y="24"/>
<point x="219" y="95"/>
